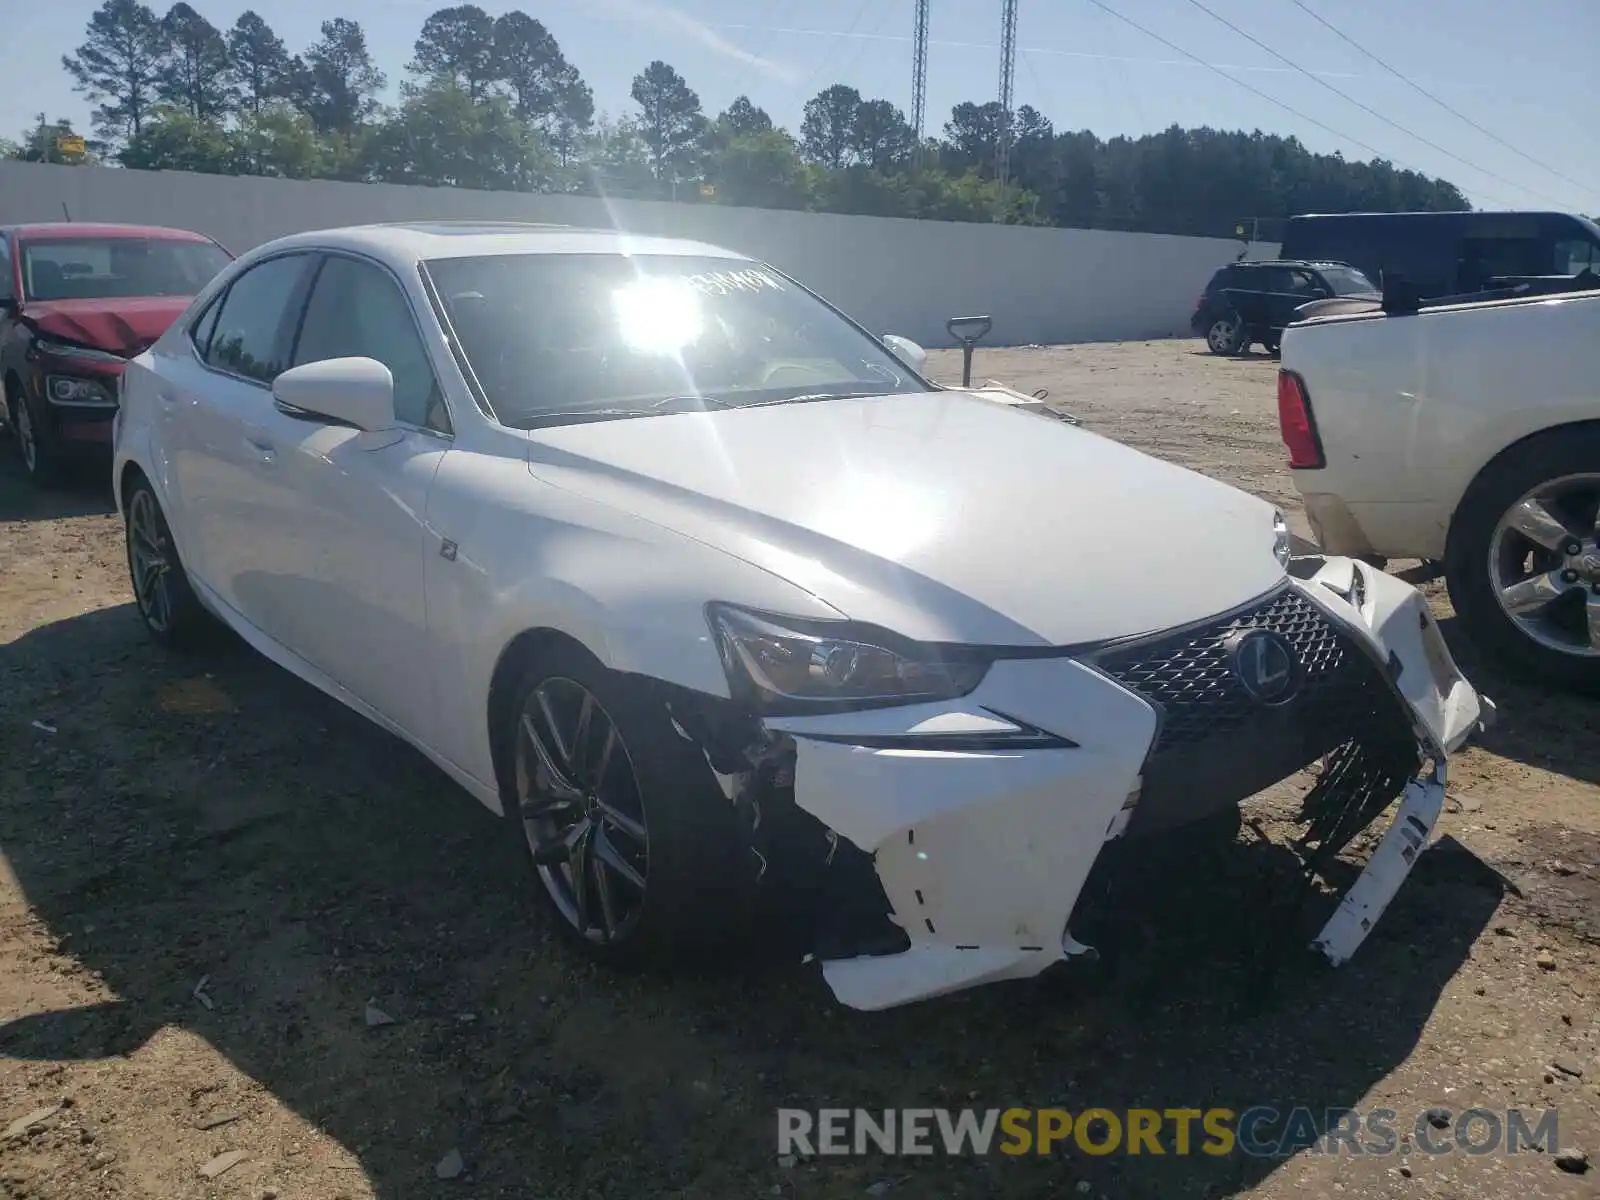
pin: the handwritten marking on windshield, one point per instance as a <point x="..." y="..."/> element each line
<point x="720" y="283"/>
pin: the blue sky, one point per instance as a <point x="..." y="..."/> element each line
<point x="1528" y="72"/>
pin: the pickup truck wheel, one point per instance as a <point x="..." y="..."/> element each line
<point x="1523" y="560"/>
<point x="1226" y="335"/>
<point x="634" y="848"/>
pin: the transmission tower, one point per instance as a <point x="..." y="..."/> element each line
<point x="1008" y="70"/>
<point x="919" y="74"/>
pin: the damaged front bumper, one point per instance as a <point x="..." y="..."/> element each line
<point x="982" y="849"/>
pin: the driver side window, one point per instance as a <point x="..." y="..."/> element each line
<point x="357" y="310"/>
<point x="1574" y="257"/>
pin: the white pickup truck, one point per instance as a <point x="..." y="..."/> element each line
<point x="1470" y="434"/>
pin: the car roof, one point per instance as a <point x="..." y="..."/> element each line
<point x="413" y="241"/>
<point x="57" y="230"/>
<point x="1313" y="263"/>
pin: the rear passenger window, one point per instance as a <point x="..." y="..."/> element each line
<point x="247" y="337"/>
<point x="357" y="310"/>
<point x="200" y="333"/>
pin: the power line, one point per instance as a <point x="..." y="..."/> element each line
<point x="849" y="30"/>
<point x="1417" y="87"/>
<point x="1270" y="99"/>
<point x="1364" y="107"/>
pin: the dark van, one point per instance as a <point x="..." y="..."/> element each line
<point x="1454" y="253"/>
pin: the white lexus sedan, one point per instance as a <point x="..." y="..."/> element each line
<point x="652" y="549"/>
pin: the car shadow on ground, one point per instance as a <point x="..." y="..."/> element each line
<point x="84" y="491"/>
<point x="1539" y="724"/>
<point x="212" y="816"/>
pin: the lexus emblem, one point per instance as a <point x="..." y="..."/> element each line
<point x="1264" y="664"/>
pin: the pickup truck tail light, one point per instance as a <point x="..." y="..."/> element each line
<point x="1298" y="426"/>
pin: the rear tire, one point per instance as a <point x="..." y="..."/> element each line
<point x="171" y="612"/>
<point x="1493" y="568"/>
<point x="1226" y="335"/>
<point x="666" y="875"/>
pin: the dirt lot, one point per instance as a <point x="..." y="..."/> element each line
<point x="167" y="822"/>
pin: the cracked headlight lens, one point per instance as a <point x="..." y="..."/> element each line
<point x="1280" y="539"/>
<point x="796" y="665"/>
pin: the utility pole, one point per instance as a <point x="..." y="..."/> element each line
<point x="1008" y="71"/>
<point x="919" y="75"/>
<point x="44" y="142"/>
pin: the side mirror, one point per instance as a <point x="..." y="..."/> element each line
<point x="8" y="305"/>
<point x="351" y="391"/>
<point x="907" y="351"/>
<point x="1400" y="296"/>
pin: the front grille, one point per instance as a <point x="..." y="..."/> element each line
<point x="1216" y="745"/>
<point x="1190" y="676"/>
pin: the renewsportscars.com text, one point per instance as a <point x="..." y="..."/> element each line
<point x="1261" y="1131"/>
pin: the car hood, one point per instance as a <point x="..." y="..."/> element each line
<point x="122" y="325"/>
<point x="940" y="515"/>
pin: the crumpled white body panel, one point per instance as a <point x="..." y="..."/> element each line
<point x="982" y="855"/>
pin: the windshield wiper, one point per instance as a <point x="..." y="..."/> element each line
<point x="534" y="420"/>
<point x="807" y="397"/>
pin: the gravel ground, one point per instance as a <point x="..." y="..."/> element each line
<point x="212" y="876"/>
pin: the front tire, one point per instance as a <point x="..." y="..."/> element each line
<point x="40" y="461"/>
<point x="1226" y="335"/>
<point x="1523" y="559"/>
<point x="634" y="849"/>
<point x="171" y="613"/>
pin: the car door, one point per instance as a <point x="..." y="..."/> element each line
<point x="356" y="571"/>
<point x="1252" y="295"/>
<point x="1300" y="286"/>
<point x="224" y="495"/>
<point x="11" y="344"/>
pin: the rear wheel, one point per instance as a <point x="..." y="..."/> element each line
<point x="1226" y="335"/>
<point x="1523" y="561"/>
<point x="634" y="848"/>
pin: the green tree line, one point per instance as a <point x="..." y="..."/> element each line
<point x="493" y="103"/>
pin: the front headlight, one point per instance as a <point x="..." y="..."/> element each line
<point x="83" y="393"/>
<point x="1280" y="539"/>
<point x="796" y="665"/>
<point x="55" y="349"/>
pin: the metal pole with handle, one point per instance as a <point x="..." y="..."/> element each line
<point x="967" y="331"/>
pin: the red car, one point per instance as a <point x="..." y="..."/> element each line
<point x="77" y="301"/>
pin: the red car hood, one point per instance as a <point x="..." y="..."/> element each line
<point x="122" y="325"/>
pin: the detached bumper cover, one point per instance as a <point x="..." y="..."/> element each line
<point x="982" y="853"/>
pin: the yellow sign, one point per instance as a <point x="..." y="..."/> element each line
<point x="708" y="190"/>
<point x="70" y="144"/>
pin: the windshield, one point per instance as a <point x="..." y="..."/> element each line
<point x="1347" y="281"/>
<point x="557" y="337"/>
<point x="99" y="268"/>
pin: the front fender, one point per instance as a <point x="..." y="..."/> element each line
<point x="524" y="555"/>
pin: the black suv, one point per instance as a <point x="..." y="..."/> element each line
<point x="1249" y="302"/>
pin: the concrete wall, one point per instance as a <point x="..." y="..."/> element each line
<point x="894" y="275"/>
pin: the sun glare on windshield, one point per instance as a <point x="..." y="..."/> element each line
<point x="658" y="316"/>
